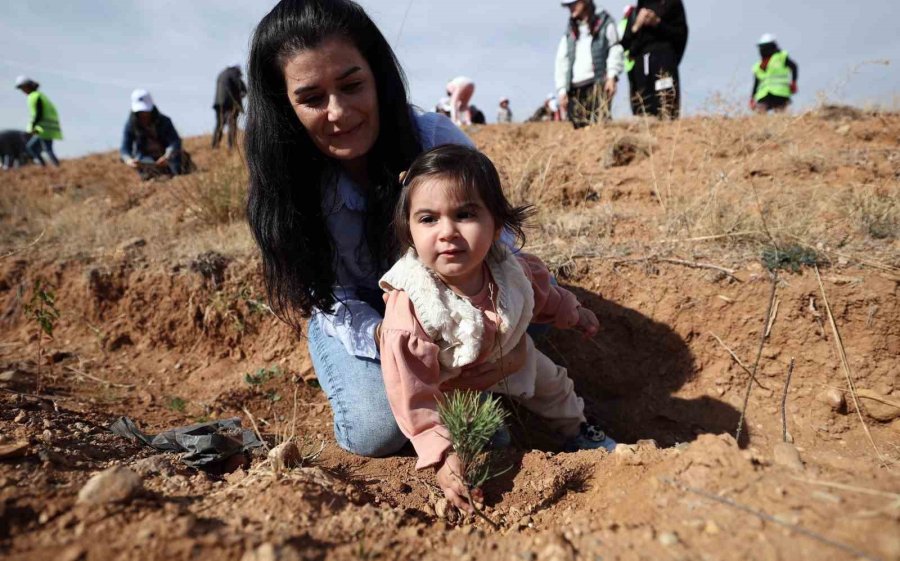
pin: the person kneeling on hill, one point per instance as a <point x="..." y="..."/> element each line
<point x="150" y="143"/>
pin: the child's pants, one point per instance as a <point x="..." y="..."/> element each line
<point x="544" y="388"/>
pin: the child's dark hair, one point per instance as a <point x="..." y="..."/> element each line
<point x="474" y="175"/>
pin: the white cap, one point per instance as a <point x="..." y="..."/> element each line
<point x="766" y="39"/>
<point x="504" y="98"/>
<point x="141" y="101"/>
<point x="22" y="80"/>
<point x="568" y="2"/>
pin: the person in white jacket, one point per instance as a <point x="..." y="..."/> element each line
<point x="588" y="63"/>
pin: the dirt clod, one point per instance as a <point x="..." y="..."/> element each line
<point x="115" y="485"/>
<point x="786" y="454"/>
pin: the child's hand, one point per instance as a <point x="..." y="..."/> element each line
<point x="587" y="322"/>
<point x="449" y="478"/>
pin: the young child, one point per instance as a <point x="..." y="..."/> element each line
<point x="459" y="297"/>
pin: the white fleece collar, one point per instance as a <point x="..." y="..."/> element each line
<point x="452" y="322"/>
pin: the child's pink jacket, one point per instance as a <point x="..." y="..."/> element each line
<point x="410" y="361"/>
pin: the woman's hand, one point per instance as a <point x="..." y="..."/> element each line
<point x="162" y="161"/>
<point x="645" y="17"/>
<point x="449" y="478"/>
<point x="587" y="322"/>
<point x="483" y="376"/>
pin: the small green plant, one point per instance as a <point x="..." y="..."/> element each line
<point x="472" y="421"/>
<point x="41" y="309"/>
<point x="791" y="258"/>
<point x="262" y="375"/>
<point x="176" y="403"/>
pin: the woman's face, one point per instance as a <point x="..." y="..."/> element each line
<point x="332" y="90"/>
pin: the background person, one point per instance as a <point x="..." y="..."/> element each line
<point x="656" y="37"/>
<point x="588" y="63"/>
<point x="774" y="77"/>
<point x="228" y="104"/>
<point x="43" y="125"/>
<point x="150" y="143"/>
<point x="460" y="90"/>
<point x="329" y="129"/>
<point x="504" y="114"/>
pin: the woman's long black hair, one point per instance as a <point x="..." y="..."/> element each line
<point x="288" y="173"/>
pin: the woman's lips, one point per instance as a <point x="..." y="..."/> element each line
<point x="351" y="130"/>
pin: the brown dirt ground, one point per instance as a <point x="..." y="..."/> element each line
<point x="156" y="327"/>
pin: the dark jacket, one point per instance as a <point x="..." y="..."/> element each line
<point x="136" y="139"/>
<point x="671" y="34"/>
<point x="230" y="89"/>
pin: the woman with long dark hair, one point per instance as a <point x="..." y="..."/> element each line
<point x="329" y="130"/>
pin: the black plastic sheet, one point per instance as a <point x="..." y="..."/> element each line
<point x="206" y="446"/>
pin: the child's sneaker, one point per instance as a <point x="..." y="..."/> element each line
<point x="590" y="437"/>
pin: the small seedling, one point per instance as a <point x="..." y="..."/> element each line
<point x="261" y="376"/>
<point x="791" y="258"/>
<point x="176" y="404"/>
<point x="43" y="311"/>
<point x="472" y="421"/>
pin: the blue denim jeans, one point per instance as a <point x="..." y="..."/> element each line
<point x="363" y="421"/>
<point x="36" y="145"/>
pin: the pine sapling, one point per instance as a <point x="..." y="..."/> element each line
<point x="41" y="309"/>
<point x="471" y="421"/>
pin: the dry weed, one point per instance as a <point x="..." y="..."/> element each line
<point x="217" y="196"/>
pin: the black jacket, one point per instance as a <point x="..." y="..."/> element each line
<point x="671" y="33"/>
<point x="230" y="89"/>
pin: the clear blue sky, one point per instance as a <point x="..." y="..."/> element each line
<point x="89" y="54"/>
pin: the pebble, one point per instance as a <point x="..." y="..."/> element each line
<point x="786" y="455"/>
<point x="285" y="456"/>
<point x="711" y="528"/>
<point x="834" y="399"/>
<point x="557" y="549"/>
<point x="157" y="464"/>
<point x="270" y="552"/>
<point x="116" y="484"/>
<point x="21" y="417"/>
<point x="668" y="539"/>
<point x="440" y="508"/>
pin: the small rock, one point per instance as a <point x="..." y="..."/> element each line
<point x="879" y="410"/>
<point x="668" y="539"/>
<point x="786" y="455"/>
<point x="14" y="377"/>
<point x="270" y="552"/>
<point x="834" y="399"/>
<point x="843" y="130"/>
<point x="21" y="418"/>
<point x="158" y="464"/>
<point x="711" y="528"/>
<point x="628" y="454"/>
<point x="441" y="506"/>
<point x="647" y="444"/>
<point x="116" y="484"/>
<point x="558" y="548"/>
<point x="53" y="457"/>
<point x="13" y="450"/>
<point x="285" y="456"/>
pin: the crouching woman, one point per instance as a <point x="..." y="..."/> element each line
<point x="150" y="143"/>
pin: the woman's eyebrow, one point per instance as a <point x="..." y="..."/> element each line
<point x="349" y="72"/>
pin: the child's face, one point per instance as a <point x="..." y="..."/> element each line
<point x="452" y="237"/>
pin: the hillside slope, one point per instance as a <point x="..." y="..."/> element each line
<point x="668" y="231"/>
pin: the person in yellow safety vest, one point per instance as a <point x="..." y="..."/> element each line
<point x="774" y="77"/>
<point x="44" y="125"/>
<point x="623" y="24"/>
<point x="629" y="62"/>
